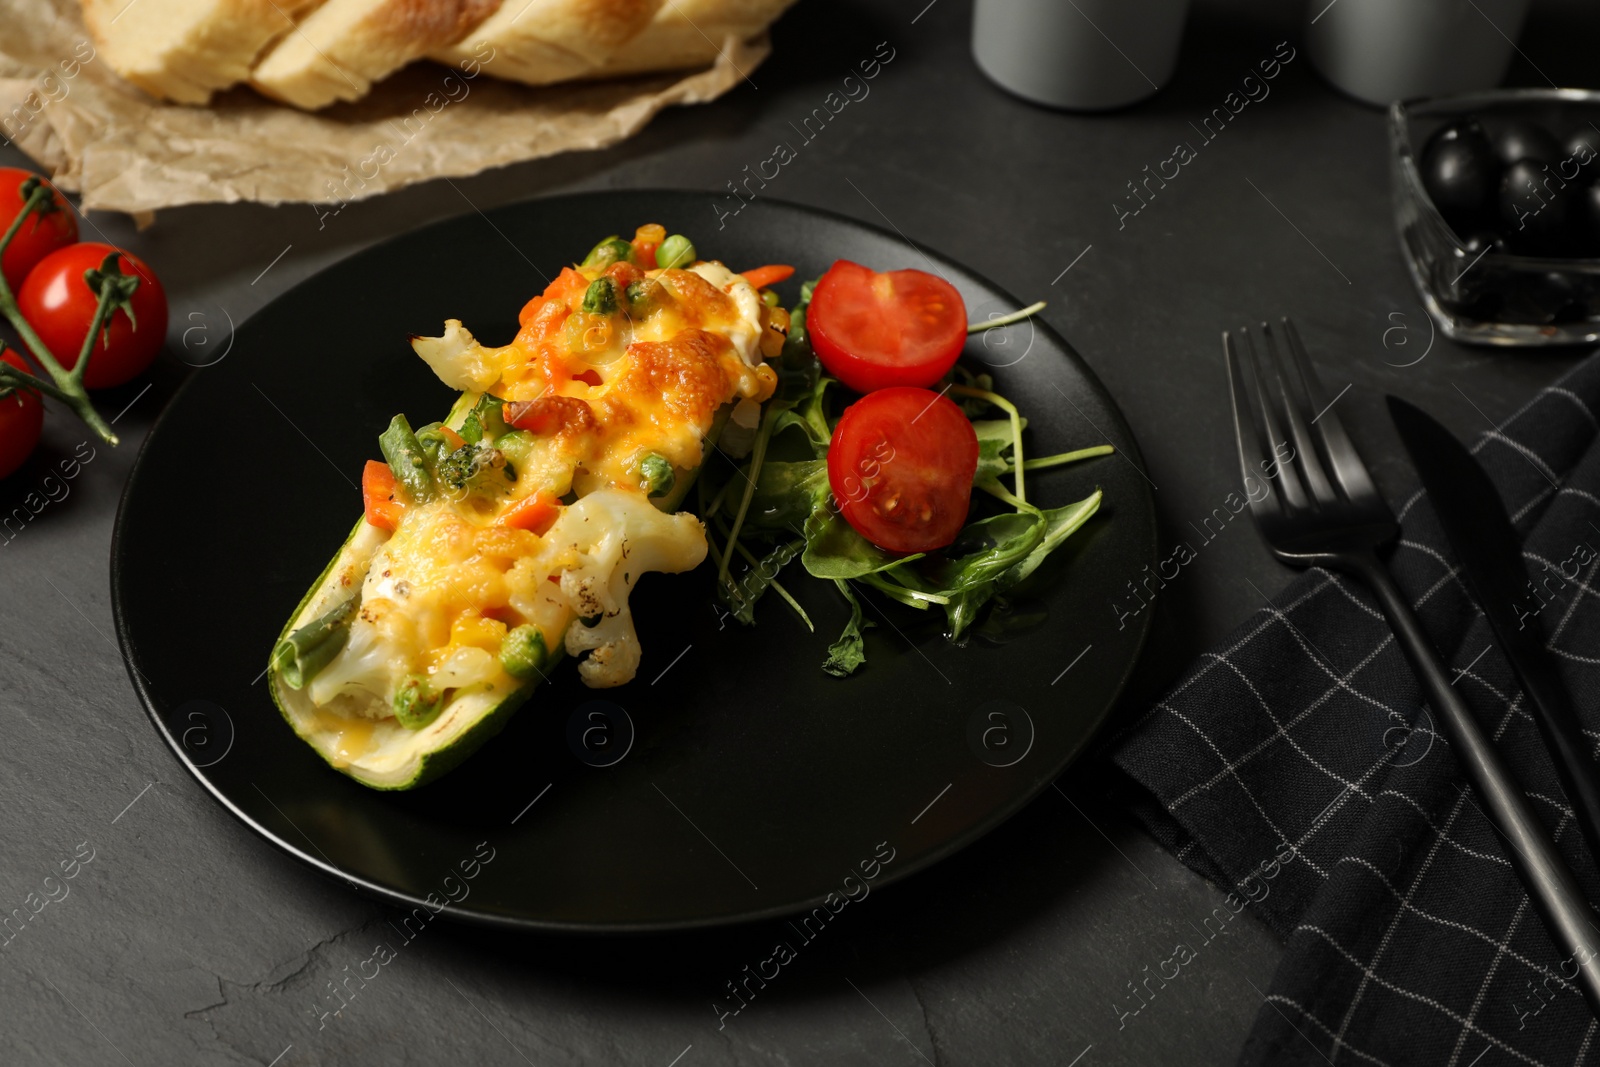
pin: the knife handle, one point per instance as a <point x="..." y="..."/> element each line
<point x="1580" y="777"/>
<point x="1568" y="919"/>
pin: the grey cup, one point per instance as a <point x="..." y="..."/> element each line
<point x="1090" y="55"/>
<point x="1385" y="50"/>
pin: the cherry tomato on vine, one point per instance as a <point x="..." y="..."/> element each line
<point x="60" y="306"/>
<point x="21" y="420"/>
<point x="900" y="465"/>
<point x="39" y="236"/>
<point x="874" y="330"/>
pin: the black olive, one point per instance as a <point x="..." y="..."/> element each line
<point x="1537" y="209"/>
<point x="1582" y="151"/>
<point x="1520" y="139"/>
<point x="1486" y="239"/>
<point x="1461" y="174"/>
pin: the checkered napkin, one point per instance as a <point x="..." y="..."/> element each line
<point x="1296" y="765"/>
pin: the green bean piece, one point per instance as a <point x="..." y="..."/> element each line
<point x="416" y="704"/>
<point x="656" y="472"/>
<point x="612" y="250"/>
<point x="601" y="297"/>
<point x="300" y="656"/>
<point x="675" y="251"/>
<point x="407" y="459"/>
<point x="522" y="653"/>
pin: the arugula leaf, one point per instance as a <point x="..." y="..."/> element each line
<point x="1012" y="548"/>
<point x="753" y="584"/>
<point x="810" y="416"/>
<point x="835" y="550"/>
<point x="788" y="493"/>
<point x="848" y="653"/>
<point x="1060" y="523"/>
<point x="994" y="441"/>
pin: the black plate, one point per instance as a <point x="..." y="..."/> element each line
<point x="754" y="784"/>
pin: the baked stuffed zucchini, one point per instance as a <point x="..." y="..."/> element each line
<point x="514" y="531"/>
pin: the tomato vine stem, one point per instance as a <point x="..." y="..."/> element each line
<point x="113" y="290"/>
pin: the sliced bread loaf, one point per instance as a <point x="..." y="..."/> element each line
<point x="342" y="47"/>
<point x="185" y="50"/>
<point x="544" y="41"/>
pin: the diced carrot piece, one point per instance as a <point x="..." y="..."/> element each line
<point x="568" y="287"/>
<point x="379" y="496"/>
<point x="762" y="277"/>
<point x="536" y="513"/>
<point x="644" y="254"/>
<point x="451" y="438"/>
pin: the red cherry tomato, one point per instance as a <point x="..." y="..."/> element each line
<point x="21" y="419"/>
<point x="38" y="236"/>
<point x="900" y="465"/>
<point x="59" y="304"/>
<point x="874" y="330"/>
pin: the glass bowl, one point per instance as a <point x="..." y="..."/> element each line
<point x="1486" y="295"/>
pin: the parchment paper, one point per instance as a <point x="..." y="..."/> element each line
<point x="123" y="150"/>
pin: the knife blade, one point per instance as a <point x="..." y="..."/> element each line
<point x="1487" y="547"/>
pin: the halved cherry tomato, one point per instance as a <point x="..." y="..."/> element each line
<point x="900" y="465"/>
<point x="538" y="513"/>
<point x="60" y="306"/>
<point x="21" y="420"/>
<point x="38" y="236"/>
<point x="873" y="330"/>
<point x="762" y="277"/>
<point x="379" y="496"/>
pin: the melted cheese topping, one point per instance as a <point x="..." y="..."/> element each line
<point x="601" y="392"/>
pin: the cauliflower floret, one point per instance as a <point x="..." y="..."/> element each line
<point x="458" y="359"/>
<point x="616" y="535"/>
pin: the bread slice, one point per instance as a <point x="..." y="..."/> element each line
<point x="185" y="50"/>
<point x="690" y="33"/>
<point x="342" y="47"/>
<point x="544" y="41"/>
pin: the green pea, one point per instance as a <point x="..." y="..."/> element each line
<point x="769" y="298"/>
<point x="656" y="472"/>
<point x="522" y="653"/>
<point x="675" y="251"/>
<point x="612" y="250"/>
<point x="416" y="705"/>
<point x="601" y="297"/>
<point x="642" y="297"/>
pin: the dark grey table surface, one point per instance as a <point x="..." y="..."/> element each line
<point x="187" y="940"/>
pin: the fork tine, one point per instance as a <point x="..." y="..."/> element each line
<point x="1306" y="450"/>
<point x="1348" y="467"/>
<point x="1245" y="430"/>
<point x="1287" y="480"/>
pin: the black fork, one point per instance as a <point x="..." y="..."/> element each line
<point x="1326" y="512"/>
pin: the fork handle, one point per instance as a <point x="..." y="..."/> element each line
<point x="1550" y="884"/>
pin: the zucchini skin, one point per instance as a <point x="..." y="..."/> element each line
<point x="430" y="765"/>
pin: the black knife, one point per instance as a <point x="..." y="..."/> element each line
<point x="1490" y="554"/>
